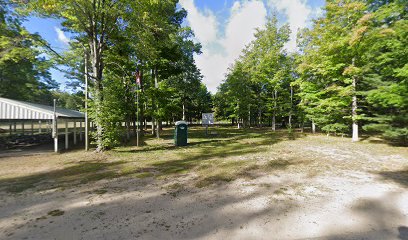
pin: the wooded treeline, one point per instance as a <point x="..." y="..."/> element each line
<point x="112" y="41"/>
<point x="350" y="74"/>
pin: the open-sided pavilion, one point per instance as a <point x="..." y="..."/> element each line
<point x="13" y="113"/>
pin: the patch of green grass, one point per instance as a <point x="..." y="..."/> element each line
<point x="100" y="191"/>
<point x="22" y="186"/>
<point x="265" y="185"/>
<point x="41" y="218"/>
<point x="231" y="154"/>
<point x="280" y="191"/>
<point x="174" y="186"/>
<point x="99" y="176"/>
<point x="278" y="164"/>
<point x="56" y="212"/>
<point x="214" y="179"/>
<point x="80" y="173"/>
<point x="142" y="175"/>
<point x="128" y="169"/>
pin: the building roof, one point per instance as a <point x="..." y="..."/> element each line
<point x="19" y="110"/>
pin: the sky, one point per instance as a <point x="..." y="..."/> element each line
<point x="223" y="27"/>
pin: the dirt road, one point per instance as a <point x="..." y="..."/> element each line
<point x="334" y="191"/>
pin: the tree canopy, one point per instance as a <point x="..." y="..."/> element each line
<point x="349" y="75"/>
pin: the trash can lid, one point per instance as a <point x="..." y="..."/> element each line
<point x="181" y="122"/>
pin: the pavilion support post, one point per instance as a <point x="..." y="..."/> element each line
<point x="66" y="134"/>
<point x="55" y="133"/>
<point x="75" y="133"/>
<point x="80" y="131"/>
<point x="11" y="129"/>
<point x="15" y="127"/>
<point x="32" y="128"/>
<point x="39" y="127"/>
<point x="22" y="127"/>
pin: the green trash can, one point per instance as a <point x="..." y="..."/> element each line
<point x="180" y="133"/>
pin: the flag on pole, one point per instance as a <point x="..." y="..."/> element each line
<point x="137" y="77"/>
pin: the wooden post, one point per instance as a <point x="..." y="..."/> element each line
<point x="32" y="128"/>
<point x="75" y="133"/>
<point x="39" y="127"/>
<point x="15" y="127"/>
<point x="66" y="134"/>
<point x="80" y="131"/>
<point x="22" y="127"/>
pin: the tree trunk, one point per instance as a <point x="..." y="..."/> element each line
<point x="153" y="126"/>
<point x="354" y="107"/>
<point x="274" y="111"/>
<point x="145" y="118"/>
<point x="273" y="122"/>
<point x="313" y="127"/>
<point x="156" y="85"/>
<point x="97" y="68"/>
<point x="184" y="112"/>
<point x="249" y="117"/>
<point x="291" y="106"/>
<point x="259" y="118"/>
<point x="127" y="123"/>
<point x="354" y="113"/>
<point x="158" y="125"/>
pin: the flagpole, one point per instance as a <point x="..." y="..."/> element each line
<point x="138" y="108"/>
<point x="137" y="116"/>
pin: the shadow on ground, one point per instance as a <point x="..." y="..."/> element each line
<point x="382" y="216"/>
<point x="203" y="150"/>
<point x="399" y="176"/>
<point x="81" y="173"/>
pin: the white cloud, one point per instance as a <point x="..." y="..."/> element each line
<point x="61" y="36"/>
<point x="241" y="27"/>
<point x="244" y="18"/>
<point x="297" y="13"/>
<point x="203" y="24"/>
<point x="223" y="41"/>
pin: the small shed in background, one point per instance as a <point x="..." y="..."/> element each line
<point x="41" y="118"/>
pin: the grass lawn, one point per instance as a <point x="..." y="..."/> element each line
<point x="286" y="171"/>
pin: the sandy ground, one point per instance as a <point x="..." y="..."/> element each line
<point x="367" y="201"/>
